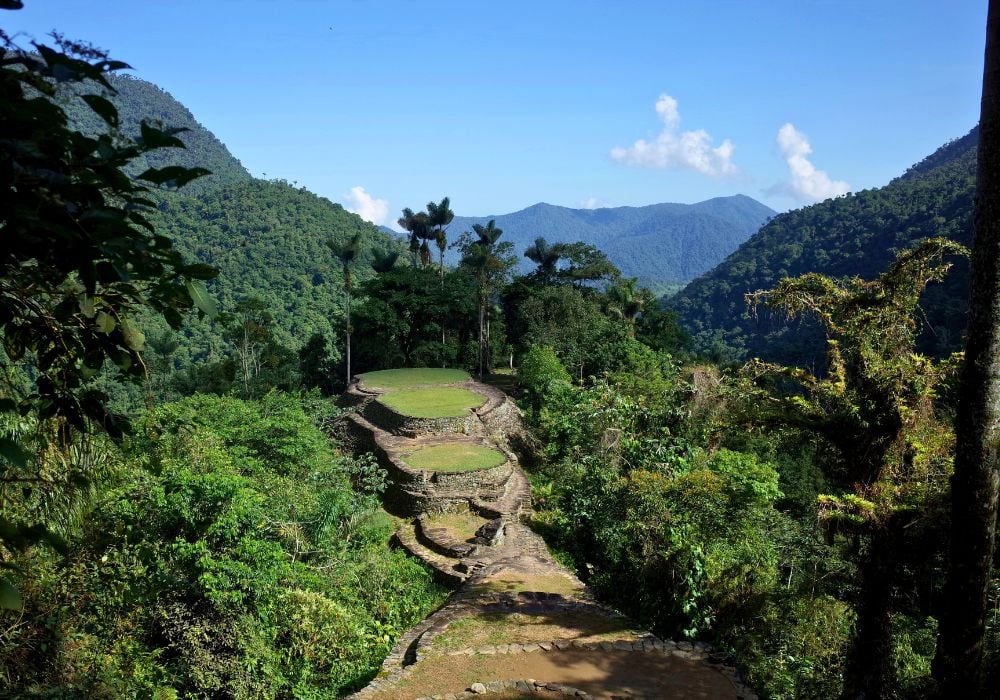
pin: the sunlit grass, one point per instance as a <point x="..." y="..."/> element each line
<point x="392" y="379"/>
<point x="455" y="457"/>
<point x="432" y="402"/>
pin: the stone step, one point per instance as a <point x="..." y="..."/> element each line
<point x="444" y="567"/>
<point x="440" y="541"/>
<point x="516" y="497"/>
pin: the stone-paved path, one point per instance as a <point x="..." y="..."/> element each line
<point x="519" y="624"/>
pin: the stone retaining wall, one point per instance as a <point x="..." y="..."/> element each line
<point x="391" y="421"/>
<point x="413" y="491"/>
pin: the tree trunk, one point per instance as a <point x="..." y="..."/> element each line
<point x="958" y="666"/>
<point x="869" y="672"/>
<point x="348" y="329"/>
<point x="482" y="314"/>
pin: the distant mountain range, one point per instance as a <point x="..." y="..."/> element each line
<point x="859" y="234"/>
<point x="664" y="245"/>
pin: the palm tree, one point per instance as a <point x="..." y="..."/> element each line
<point x="546" y="256"/>
<point x="439" y="216"/>
<point x="488" y="262"/>
<point x="626" y="302"/>
<point x="417" y="226"/>
<point x="347" y="252"/>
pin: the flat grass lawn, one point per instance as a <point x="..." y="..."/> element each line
<point x="433" y="402"/>
<point x="462" y="526"/>
<point x="455" y="457"/>
<point x="392" y="379"/>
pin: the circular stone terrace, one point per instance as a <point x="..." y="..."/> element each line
<point x="519" y="624"/>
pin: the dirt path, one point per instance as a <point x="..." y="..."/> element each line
<point x="516" y="614"/>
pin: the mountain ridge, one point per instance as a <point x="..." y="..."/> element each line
<point x="662" y="244"/>
<point x="858" y="234"/>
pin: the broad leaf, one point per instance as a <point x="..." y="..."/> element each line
<point x="201" y="298"/>
<point x="105" y="110"/>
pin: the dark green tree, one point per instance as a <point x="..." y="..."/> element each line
<point x="489" y="262"/>
<point x="317" y="364"/>
<point x="546" y="256"/>
<point x="977" y="423"/>
<point x="80" y="259"/>
<point x="875" y="406"/>
<point x="346" y="253"/>
<point x="400" y="319"/>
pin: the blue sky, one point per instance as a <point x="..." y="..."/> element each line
<point x="382" y="105"/>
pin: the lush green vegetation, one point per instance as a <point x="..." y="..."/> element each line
<point x="859" y="234"/>
<point x="410" y="377"/>
<point x="455" y="457"/>
<point x="224" y="547"/>
<point x="225" y="554"/>
<point x="433" y="402"/>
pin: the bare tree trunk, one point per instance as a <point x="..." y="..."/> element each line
<point x="482" y="313"/>
<point x="870" y="673"/>
<point x="348" y="329"/>
<point x="959" y="662"/>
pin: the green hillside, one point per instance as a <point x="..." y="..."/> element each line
<point x="138" y="99"/>
<point x="854" y="235"/>
<point x="267" y="238"/>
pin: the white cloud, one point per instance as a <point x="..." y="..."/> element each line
<point x="807" y="184"/>
<point x="592" y="203"/>
<point x="366" y="206"/>
<point x="673" y="148"/>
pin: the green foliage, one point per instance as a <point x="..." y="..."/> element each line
<point x="539" y="369"/>
<point x="399" y="322"/>
<point x="229" y="556"/>
<point x="568" y="319"/>
<point x="81" y="258"/>
<point x="134" y="101"/>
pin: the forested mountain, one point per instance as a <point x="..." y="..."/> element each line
<point x="267" y="238"/>
<point x="661" y="244"/>
<point x="854" y="235"/>
<point x="138" y="99"/>
<point x="269" y="242"/>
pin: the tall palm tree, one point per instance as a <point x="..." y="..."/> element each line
<point x="439" y="216"/>
<point x="416" y="223"/>
<point x="346" y="253"/>
<point x="626" y="301"/>
<point x="547" y="256"/>
<point x="486" y="261"/>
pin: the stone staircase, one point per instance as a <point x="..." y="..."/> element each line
<point x="508" y="586"/>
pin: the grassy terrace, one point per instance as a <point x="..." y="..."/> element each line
<point x="462" y="525"/>
<point x="455" y="457"/>
<point x="432" y="402"/>
<point x="394" y="379"/>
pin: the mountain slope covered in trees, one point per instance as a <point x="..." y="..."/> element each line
<point x="267" y="238"/>
<point x="661" y="244"/>
<point x="854" y="235"/>
<point x="138" y="100"/>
